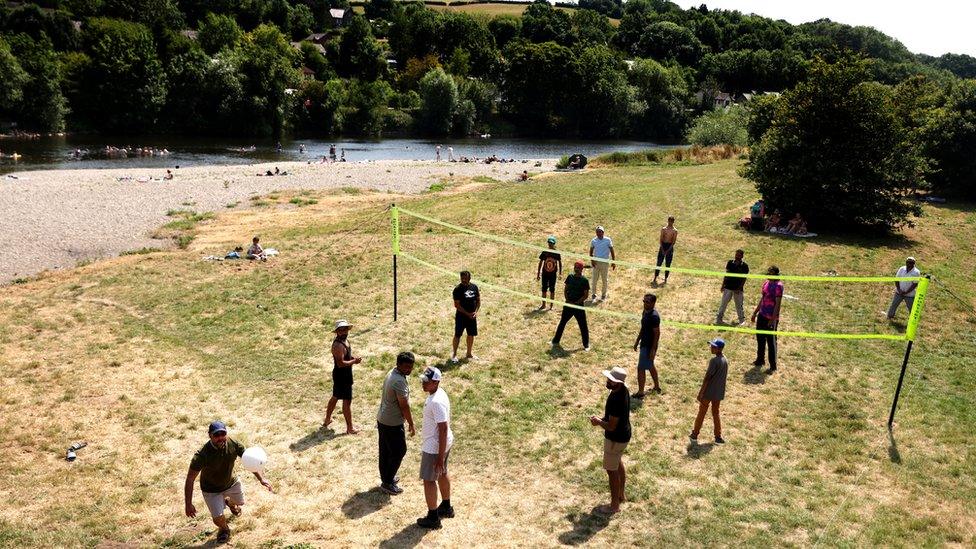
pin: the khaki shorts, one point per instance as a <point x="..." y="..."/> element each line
<point x="215" y="500"/>
<point x="612" y="453"/>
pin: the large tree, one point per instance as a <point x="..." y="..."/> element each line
<point x="12" y="76"/>
<point x="438" y="102"/>
<point x="41" y="106"/>
<point x="267" y="66"/>
<point x="837" y="152"/>
<point x="950" y="138"/>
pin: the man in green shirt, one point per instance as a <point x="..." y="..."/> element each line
<point x="575" y="291"/>
<point x="214" y="463"/>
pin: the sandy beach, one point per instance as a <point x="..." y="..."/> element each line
<point x="55" y="219"/>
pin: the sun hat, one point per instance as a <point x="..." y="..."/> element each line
<point x="551" y="239"/>
<point x="341" y="324"/>
<point x="717" y="342"/>
<point x="430" y="374"/>
<point x="616" y="374"/>
<point x="217" y="427"/>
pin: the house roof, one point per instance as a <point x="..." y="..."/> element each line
<point x="337" y="13"/>
<point x="315" y="36"/>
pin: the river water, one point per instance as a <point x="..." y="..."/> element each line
<point x="60" y="152"/>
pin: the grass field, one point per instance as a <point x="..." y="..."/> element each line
<point x="137" y="354"/>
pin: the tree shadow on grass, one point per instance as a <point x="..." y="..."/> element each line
<point x="698" y="451"/>
<point x="585" y="526"/>
<point x="312" y="439"/>
<point x="411" y="536"/>
<point x="754" y="376"/>
<point x="893" y="454"/>
<point x="363" y="503"/>
<point x="896" y="241"/>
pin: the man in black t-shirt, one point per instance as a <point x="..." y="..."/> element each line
<point x="550" y="267"/>
<point x="467" y="301"/>
<point x="732" y="287"/>
<point x="575" y="290"/>
<point x="646" y="346"/>
<point x="616" y="433"/>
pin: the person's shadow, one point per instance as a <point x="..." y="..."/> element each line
<point x="585" y="526"/>
<point x="557" y="351"/>
<point x="893" y="454"/>
<point x="636" y="403"/>
<point x="754" y="376"/>
<point x="312" y="439"/>
<point x="410" y="536"/>
<point x="363" y="503"/>
<point x="697" y="451"/>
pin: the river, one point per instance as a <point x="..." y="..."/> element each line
<point x="58" y="152"/>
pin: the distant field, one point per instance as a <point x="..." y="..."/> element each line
<point x="137" y="354"/>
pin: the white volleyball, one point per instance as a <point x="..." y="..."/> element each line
<point x="254" y="459"/>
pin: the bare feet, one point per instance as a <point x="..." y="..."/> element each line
<point x="608" y="510"/>
<point x="352" y="431"/>
<point x="327" y="422"/>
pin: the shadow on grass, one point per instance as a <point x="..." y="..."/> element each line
<point x="637" y="403"/>
<point x="754" y="376"/>
<point x="585" y="526"/>
<point x="316" y="437"/>
<point x="206" y="539"/>
<point x="536" y="312"/>
<point x="697" y="451"/>
<point x="557" y="351"/>
<point x="363" y="503"/>
<point x="893" y="454"/>
<point x="410" y="536"/>
<point x="896" y="241"/>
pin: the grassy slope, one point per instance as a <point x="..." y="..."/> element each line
<point x="136" y="355"/>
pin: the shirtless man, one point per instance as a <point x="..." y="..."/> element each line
<point x="665" y="253"/>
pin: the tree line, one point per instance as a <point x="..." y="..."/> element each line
<point x="239" y="67"/>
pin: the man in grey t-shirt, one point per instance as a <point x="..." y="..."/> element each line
<point x="394" y="409"/>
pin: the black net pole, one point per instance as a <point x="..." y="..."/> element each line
<point x="901" y="379"/>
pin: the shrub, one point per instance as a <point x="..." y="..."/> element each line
<point x="720" y="127"/>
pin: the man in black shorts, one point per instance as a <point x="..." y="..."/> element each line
<point x="342" y="361"/>
<point x="550" y="267"/>
<point x="467" y="301"/>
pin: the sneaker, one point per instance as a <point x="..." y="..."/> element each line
<point x="445" y="512"/>
<point x="427" y="522"/>
<point x="587" y="348"/>
<point x="454" y="360"/>
<point x="758" y="363"/>
<point x="223" y="536"/>
<point x="719" y="440"/>
<point x="473" y="358"/>
<point x="694" y="438"/>
<point x="638" y="396"/>
<point x="391" y="489"/>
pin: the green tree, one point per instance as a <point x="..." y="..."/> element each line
<point x="601" y="95"/>
<point x="609" y="8"/>
<point x="537" y="86"/>
<point x="762" y="112"/>
<point x="302" y="22"/>
<point x="217" y="32"/>
<point x="313" y="59"/>
<point x="667" y="41"/>
<point x="591" y="28"/>
<point x="360" y="55"/>
<point x="42" y="106"/>
<point x="124" y="86"/>
<point x="837" y="153"/>
<point x="950" y="139"/>
<point x="438" y="102"/>
<point x="505" y="28"/>
<point x="720" y="127"/>
<point x="320" y="106"/>
<point x="382" y="9"/>
<point x="415" y="33"/>
<point x="155" y="14"/>
<point x="543" y="23"/>
<point x="12" y="76"/>
<point x="366" y="104"/>
<point x="205" y="94"/>
<point x="266" y="63"/>
<point x="661" y="94"/>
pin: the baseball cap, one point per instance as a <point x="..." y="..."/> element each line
<point x="342" y="324"/>
<point x="616" y="374"/>
<point x="600" y="228"/>
<point x="430" y="374"/>
<point x="910" y="258"/>
<point x="217" y="427"/>
<point x="717" y="342"/>
<point x="579" y="264"/>
<point x="551" y="239"/>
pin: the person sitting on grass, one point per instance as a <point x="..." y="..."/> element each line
<point x="214" y="464"/>
<point x="524" y="176"/>
<point x="256" y="251"/>
<point x="772" y="223"/>
<point x="794" y="225"/>
<point x="712" y="391"/>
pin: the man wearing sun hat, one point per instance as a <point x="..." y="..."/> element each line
<point x="436" y="442"/>
<point x="616" y="433"/>
<point x="342" y="362"/>
<point x="904" y="291"/>
<point x="214" y="464"/>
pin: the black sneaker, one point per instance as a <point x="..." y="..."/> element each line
<point x="391" y="489"/>
<point x="758" y="363"/>
<point x="719" y="440"/>
<point x="223" y="536"/>
<point x="428" y="522"/>
<point x="693" y="437"/>
<point x="771" y="370"/>
<point x="445" y="512"/>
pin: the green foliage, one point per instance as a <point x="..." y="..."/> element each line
<point x="360" y="56"/>
<point x="41" y="106"/>
<point x="720" y="127"/>
<point x="383" y="9"/>
<point x="667" y="41"/>
<point x="217" y="32"/>
<point x="762" y="111"/>
<point x="55" y="26"/>
<point x="301" y="22"/>
<point x="366" y="104"/>
<point x="837" y="152"/>
<point x="950" y="142"/>
<point x="591" y="28"/>
<point x="543" y="23"/>
<point x="537" y="84"/>
<point x="205" y="94"/>
<point x="266" y="63"/>
<point x="155" y="14"/>
<point x="504" y="29"/>
<point x="961" y="65"/>
<point x="12" y="76"/>
<point x="438" y="102"/>
<point x="609" y="8"/>
<point x="319" y="108"/>
<point x="602" y="96"/>
<point x="313" y="59"/>
<point x="660" y="96"/>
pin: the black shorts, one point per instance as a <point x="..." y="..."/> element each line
<point x="549" y="283"/>
<point x="464" y="324"/>
<point x="342" y="383"/>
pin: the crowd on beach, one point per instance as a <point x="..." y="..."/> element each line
<point x="214" y="462"/>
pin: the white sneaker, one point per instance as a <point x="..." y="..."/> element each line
<point x="587" y="349"/>
<point x="454" y="360"/>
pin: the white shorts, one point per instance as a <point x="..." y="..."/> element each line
<point x="215" y="500"/>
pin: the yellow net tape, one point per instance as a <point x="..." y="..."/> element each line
<point x="907" y="336"/>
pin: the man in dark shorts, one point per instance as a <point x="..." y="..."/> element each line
<point x="394" y="409"/>
<point x="575" y="290"/>
<point x="646" y="345"/>
<point x="467" y="301"/>
<point x="732" y="287"/>
<point x="616" y="435"/>
<point x="550" y="267"/>
<point x="342" y="362"/>
<point x="665" y="252"/>
<point x="214" y="463"/>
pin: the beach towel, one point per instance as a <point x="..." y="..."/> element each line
<point x="271" y="252"/>
<point x="784" y="232"/>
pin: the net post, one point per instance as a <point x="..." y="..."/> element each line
<point x="914" y="316"/>
<point x="395" y="241"/>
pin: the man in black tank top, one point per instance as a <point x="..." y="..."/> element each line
<point x="342" y="361"/>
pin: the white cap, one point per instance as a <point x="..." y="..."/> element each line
<point x="600" y="228"/>
<point x="910" y="258"/>
<point x="430" y="374"/>
<point x="616" y="374"/>
<point x="342" y="324"/>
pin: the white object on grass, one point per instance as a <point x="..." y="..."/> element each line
<point x="254" y="459"/>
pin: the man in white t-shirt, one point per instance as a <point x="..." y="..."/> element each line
<point x="904" y="291"/>
<point x="601" y="247"/>
<point x="436" y="441"/>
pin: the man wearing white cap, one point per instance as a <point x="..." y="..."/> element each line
<point x="601" y="248"/>
<point x="904" y="291"/>
<point x="342" y="361"/>
<point x="436" y="441"/>
<point x="616" y="432"/>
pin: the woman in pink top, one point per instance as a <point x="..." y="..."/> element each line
<point x="766" y="317"/>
